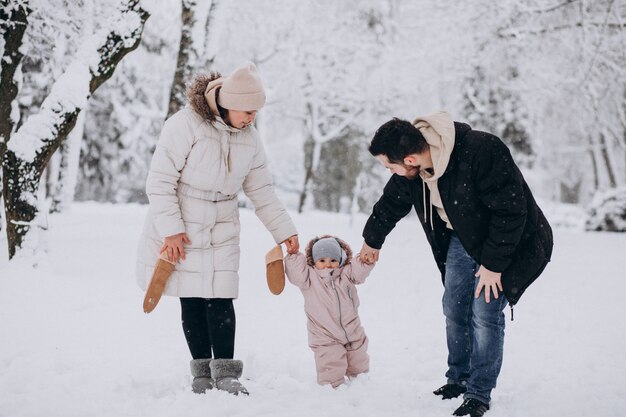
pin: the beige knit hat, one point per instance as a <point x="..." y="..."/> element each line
<point x="242" y="90"/>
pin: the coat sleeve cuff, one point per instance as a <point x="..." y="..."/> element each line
<point x="167" y="227"/>
<point x="494" y="262"/>
<point x="284" y="232"/>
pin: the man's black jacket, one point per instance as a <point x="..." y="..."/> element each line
<point x="488" y="204"/>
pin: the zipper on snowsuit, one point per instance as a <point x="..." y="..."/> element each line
<point x="332" y="284"/>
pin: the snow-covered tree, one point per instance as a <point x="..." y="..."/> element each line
<point x="547" y="77"/>
<point x="607" y="211"/>
<point x="55" y="32"/>
<point x="495" y="106"/>
<point x="193" y="52"/>
<point x="123" y="120"/>
<point x="125" y="115"/>
<point x="62" y="170"/>
<point x="13" y="23"/>
<point x="30" y="148"/>
<point x="574" y="72"/>
<point x="324" y="89"/>
<point x="492" y="86"/>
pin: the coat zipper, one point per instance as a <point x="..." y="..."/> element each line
<point x="332" y="284"/>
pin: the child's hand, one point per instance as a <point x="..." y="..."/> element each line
<point x="368" y="255"/>
<point x="293" y="245"/>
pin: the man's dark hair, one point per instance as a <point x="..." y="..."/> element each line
<point x="396" y="139"/>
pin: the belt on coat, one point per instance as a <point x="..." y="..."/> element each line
<point x="214" y="196"/>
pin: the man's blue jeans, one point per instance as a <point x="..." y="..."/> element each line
<point x="474" y="328"/>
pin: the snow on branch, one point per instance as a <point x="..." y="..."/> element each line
<point x="339" y="129"/>
<point x="94" y="64"/>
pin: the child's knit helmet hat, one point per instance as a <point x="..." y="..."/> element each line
<point x="328" y="246"/>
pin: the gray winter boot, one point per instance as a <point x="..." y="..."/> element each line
<point x="226" y="373"/>
<point x="201" y="372"/>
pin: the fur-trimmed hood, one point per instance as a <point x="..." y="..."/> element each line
<point x="309" y="249"/>
<point x="196" y="95"/>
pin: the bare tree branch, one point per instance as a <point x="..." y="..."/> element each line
<point x="554" y="7"/>
<point x="508" y="33"/>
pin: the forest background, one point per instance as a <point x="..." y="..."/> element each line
<point x="546" y="76"/>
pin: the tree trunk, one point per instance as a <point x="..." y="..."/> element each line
<point x="62" y="185"/>
<point x="309" y="152"/>
<point x="28" y="153"/>
<point x="624" y="135"/>
<point x="210" y="41"/>
<point x="192" y="57"/>
<point x="13" y="23"/>
<point x="21" y="183"/>
<point x="594" y="170"/>
<point x="604" y="152"/>
<point x="184" y="62"/>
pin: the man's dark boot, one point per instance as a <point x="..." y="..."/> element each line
<point x="450" y="391"/>
<point x="471" y="407"/>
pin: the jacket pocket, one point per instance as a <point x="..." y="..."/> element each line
<point x="351" y="297"/>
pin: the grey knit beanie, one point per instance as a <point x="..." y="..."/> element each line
<point x="242" y="90"/>
<point x="328" y="247"/>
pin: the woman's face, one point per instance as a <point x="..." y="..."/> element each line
<point x="240" y="119"/>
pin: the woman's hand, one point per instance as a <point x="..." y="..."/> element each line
<point x="368" y="255"/>
<point x="174" y="248"/>
<point x="293" y="245"/>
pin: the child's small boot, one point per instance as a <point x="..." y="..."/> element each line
<point x="201" y="372"/>
<point x="226" y="374"/>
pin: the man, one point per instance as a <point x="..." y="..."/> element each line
<point x="485" y="229"/>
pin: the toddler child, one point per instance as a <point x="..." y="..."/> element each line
<point x="327" y="276"/>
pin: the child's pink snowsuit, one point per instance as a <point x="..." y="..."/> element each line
<point x="331" y="305"/>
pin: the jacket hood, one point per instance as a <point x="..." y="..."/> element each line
<point x="438" y="130"/>
<point x="197" y="92"/>
<point x="309" y="250"/>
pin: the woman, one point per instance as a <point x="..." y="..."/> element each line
<point x="206" y="153"/>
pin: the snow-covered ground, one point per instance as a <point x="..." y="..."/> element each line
<point x="75" y="342"/>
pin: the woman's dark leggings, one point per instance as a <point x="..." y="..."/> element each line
<point x="209" y="326"/>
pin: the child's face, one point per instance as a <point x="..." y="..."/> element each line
<point x="324" y="263"/>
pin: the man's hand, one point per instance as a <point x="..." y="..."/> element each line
<point x="293" y="245"/>
<point x="173" y="246"/>
<point x="490" y="281"/>
<point x="368" y="255"/>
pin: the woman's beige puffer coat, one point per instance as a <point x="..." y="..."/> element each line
<point x="198" y="156"/>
